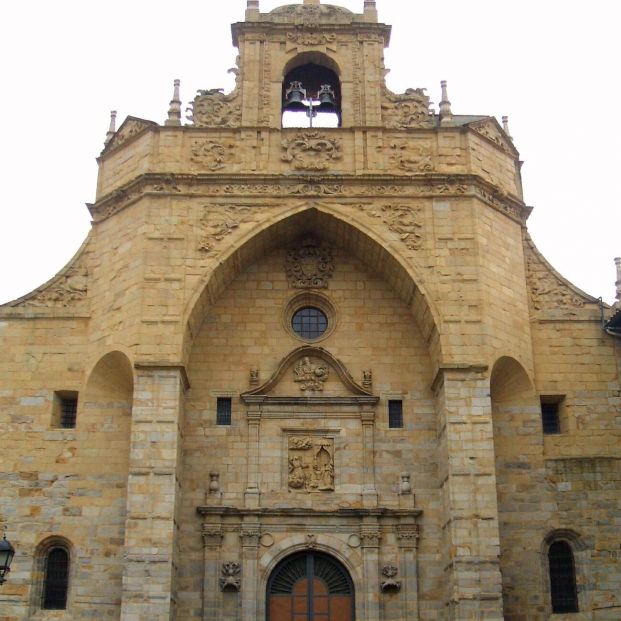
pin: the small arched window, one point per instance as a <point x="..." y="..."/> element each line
<point x="56" y="579"/>
<point x="562" y="569"/>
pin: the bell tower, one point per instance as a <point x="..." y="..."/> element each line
<point x="310" y="52"/>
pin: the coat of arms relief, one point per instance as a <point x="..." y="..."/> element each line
<point x="311" y="463"/>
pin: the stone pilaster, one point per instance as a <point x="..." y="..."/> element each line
<point x="152" y="495"/>
<point x="471" y="535"/>
<point x="212" y="543"/>
<point x="250" y="534"/>
<point x="407" y="537"/>
<point x="370" y="537"/>
<point x="251" y="496"/>
<point x="369" y="492"/>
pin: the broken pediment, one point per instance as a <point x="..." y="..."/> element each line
<point x="310" y="374"/>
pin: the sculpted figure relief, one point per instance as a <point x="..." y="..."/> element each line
<point x="311" y="463"/>
<point x="310" y="375"/>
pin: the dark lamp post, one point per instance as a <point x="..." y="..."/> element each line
<point x="7" y="552"/>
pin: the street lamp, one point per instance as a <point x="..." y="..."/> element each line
<point x="7" y="552"/>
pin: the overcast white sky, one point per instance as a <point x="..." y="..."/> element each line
<point x="552" y="66"/>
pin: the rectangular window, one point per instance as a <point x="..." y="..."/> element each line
<point x="65" y="409"/>
<point x="551" y="414"/>
<point x="395" y="413"/>
<point x="223" y="411"/>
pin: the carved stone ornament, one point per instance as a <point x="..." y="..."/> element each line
<point x="410" y="157"/>
<point x="254" y="376"/>
<point x="250" y="537"/>
<point x="311" y="541"/>
<point x="310" y="374"/>
<point x="547" y="290"/>
<point x="212" y="108"/>
<point x="490" y="130"/>
<point x="230" y="580"/>
<point x="407" y="110"/>
<point x="214" y="482"/>
<point x="218" y="221"/>
<point x="389" y="583"/>
<point x="212" y="535"/>
<point x="404" y="220"/>
<point x="311" y="464"/>
<point x="67" y="289"/>
<point x="309" y="265"/>
<point x="370" y="537"/>
<point x="131" y="127"/>
<point x="307" y="38"/>
<point x="210" y="154"/>
<point x="310" y="150"/>
<point x="407" y="535"/>
<point x="367" y="379"/>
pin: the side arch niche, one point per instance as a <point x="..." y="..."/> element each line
<point x="310" y="582"/>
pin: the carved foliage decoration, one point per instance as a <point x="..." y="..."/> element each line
<point x="309" y="265"/>
<point x="218" y="221"/>
<point x="410" y="157"/>
<point x="67" y="289"/>
<point x="230" y="580"/>
<point x="310" y="374"/>
<point x="210" y="154"/>
<point x="390" y="583"/>
<point x="310" y="150"/>
<point x="311" y="463"/>
<point x="406" y="110"/>
<point x="547" y="290"/>
<point x="404" y="220"/>
<point x="212" y="108"/>
<point x="308" y="38"/>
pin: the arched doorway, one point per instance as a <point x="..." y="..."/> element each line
<point x="310" y="586"/>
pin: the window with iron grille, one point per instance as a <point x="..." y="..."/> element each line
<point x="550" y="415"/>
<point x="223" y="411"/>
<point x="65" y="409"/>
<point x="563" y="590"/>
<point x="309" y="322"/>
<point x="395" y="413"/>
<point x="56" y="582"/>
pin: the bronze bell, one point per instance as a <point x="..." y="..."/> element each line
<point x="295" y="95"/>
<point x="327" y="99"/>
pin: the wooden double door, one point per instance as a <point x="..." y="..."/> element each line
<point x="310" y="586"/>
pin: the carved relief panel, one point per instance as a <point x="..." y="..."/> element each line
<point x="310" y="463"/>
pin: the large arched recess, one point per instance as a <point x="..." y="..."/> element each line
<point x="362" y="243"/>
<point x="520" y="482"/>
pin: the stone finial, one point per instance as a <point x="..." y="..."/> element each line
<point x="111" y="128"/>
<point x="505" y="126"/>
<point x="446" y="116"/>
<point x="370" y="10"/>
<point x="618" y="283"/>
<point x="405" y="486"/>
<point x="214" y="483"/>
<point x="174" y="111"/>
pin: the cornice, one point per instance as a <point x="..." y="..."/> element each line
<point x="423" y="185"/>
<point x="304" y="512"/>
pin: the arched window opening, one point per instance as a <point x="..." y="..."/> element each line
<point x="310" y="585"/>
<point x="56" y="581"/>
<point x="311" y="97"/>
<point x="563" y="590"/>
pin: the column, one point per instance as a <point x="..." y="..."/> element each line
<point x="153" y="494"/>
<point x="250" y="534"/>
<point x="471" y="535"/>
<point x="212" y="544"/>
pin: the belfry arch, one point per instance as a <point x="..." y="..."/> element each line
<point x="334" y="229"/>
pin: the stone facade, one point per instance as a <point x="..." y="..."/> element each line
<point x="407" y="230"/>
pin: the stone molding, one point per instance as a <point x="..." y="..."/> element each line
<point x="201" y="185"/>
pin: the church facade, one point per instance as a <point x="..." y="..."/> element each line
<point x="312" y="372"/>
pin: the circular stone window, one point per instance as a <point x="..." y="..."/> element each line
<point x="309" y="317"/>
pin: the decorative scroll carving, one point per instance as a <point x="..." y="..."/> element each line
<point x="219" y="222"/>
<point x="310" y="150"/>
<point x="389" y="583"/>
<point x="212" y="108"/>
<point x="210" y="154"/>
<point x="410" y="157"/>
<point x="547" y="290"/>
<point x="309" y="265"/>
<point x="410" y="109"/>
<point x="230" y="580"/>
<point x="250" y="537"/>
<point x="490" y="130"/>
<point x="310" y="374"/>
<point x="311" y="463"/>
<point x="404" y="220"/>
<point x="67" y="289"/>
<point x="407" y="535"/>
<point x="306" y="38"/>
